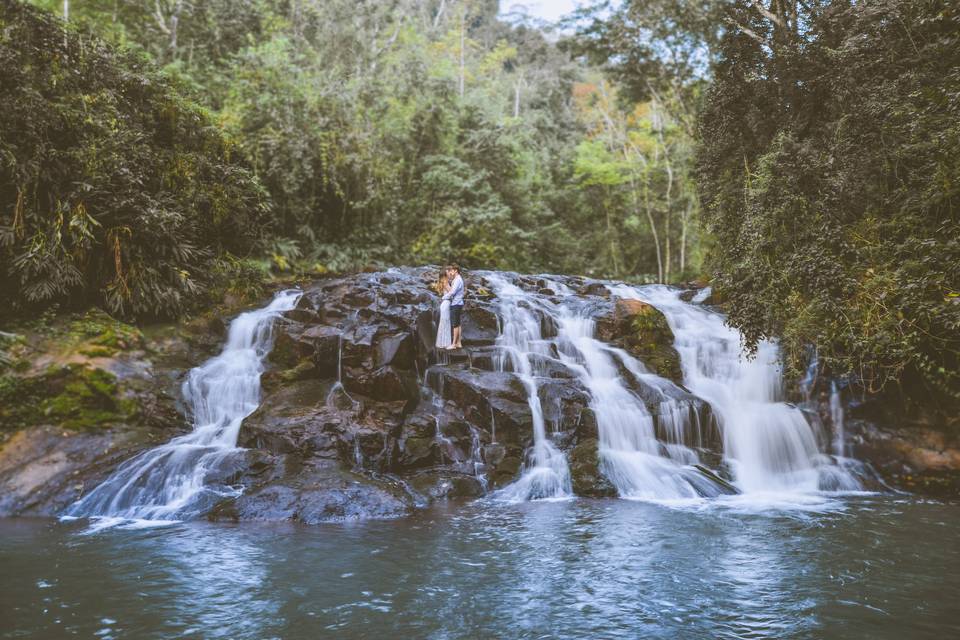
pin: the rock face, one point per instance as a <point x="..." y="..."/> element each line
<point x="360" y="416"/>
<point x="911" y="450"/>
<point x="78" y="396"/>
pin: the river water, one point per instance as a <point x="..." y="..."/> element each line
<point x="830" y="567"/>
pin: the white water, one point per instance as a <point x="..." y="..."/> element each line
<point x="768" y="444"/>
<point x="179" y="480"/>
<point x="631" y="457"/>
<point x="836" y="417"/>
<point x="546" y="474"/>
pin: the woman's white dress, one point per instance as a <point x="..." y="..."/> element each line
<point x="444" y="331"/>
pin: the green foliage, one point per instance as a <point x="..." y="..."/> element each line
<point x="377" y="146"/>
<point x="830" y="171"/>
<point x="113" y="188"/>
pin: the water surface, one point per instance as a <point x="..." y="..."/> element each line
<point x="855" y="567"/>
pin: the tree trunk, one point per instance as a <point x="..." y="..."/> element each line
<point x="463" y="24"/>
<point x="683" y="238"/>
<point x="653" y="226"/>
<point x="666" y="242"/>
<point x="611" y="239"/>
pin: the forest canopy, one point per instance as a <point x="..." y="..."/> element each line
<point x="378" y="133"/>
<point x="115" y="189"/>
<point x="829" y="168"/>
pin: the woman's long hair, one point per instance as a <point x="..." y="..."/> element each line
<point x="440" y="286"/>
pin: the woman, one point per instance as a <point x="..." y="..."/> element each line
<point x="444" y="331"/>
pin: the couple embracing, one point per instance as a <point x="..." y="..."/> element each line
<point x="451" y="308"/>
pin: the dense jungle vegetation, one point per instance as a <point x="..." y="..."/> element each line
<point x="803" y="155"/>
<point x="376" y="133"/>
<point x="829" y="165"/>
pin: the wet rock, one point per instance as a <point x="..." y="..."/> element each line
<point x="594" y="289"/>
<point x="643" y="331"/>
<point x="386" y="383"/>
<point x="507" y="471"/>
<point x="915" y="457"/>
<point x="314" y="492"/>
<point x="480" y="326"/>
<point x="396" y="350"/>
<point x="585" y="474"/>
<point x="295" y="418"/>
<point x="44" y="469"/>
<point x="485" y="398"/>
<point x="442" y="486"/>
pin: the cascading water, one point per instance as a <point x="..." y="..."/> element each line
<point x="768" y="443"/>
<point x="630" y="454"/>
<point x="178" y="480"/>
<point x="836" y="417"/>
<point x="546" y="474"/>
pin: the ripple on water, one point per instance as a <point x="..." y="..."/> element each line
<point x="831" y="567"/>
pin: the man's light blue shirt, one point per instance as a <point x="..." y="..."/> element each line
<point x="455" y="295"/>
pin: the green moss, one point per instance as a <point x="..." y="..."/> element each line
<point x="12" y="352"/>
<point x="76" y="397"/>
<point x="101" y="330"/>
<point x="88" y="400"/>
<point x="98" y="352"/>
<point x="651" y="340"/>
<point x="303" y="370"/>
<point x="20" y="398"/>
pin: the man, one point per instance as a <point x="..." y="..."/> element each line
<point x="455" y="296"/>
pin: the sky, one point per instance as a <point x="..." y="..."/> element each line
<point x="544" y="9"/>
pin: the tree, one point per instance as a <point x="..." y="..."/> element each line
<point x="829" y="171"/>
<point x="121" y="192"/>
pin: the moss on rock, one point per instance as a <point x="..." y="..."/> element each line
<point x="78" y="397"/>
<point x="90" y="398"/>
<point x="643" y="331"/>
<point x="100" y="335"/>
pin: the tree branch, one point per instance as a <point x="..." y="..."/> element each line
<point x="769" y="15"/>
<point x="750" y="32"/>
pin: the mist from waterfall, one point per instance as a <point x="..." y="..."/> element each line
<point x="185" y="477"/>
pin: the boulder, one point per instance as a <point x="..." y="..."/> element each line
<point x="594" y="289"/>
<point x="312" y="492"/>
<point x="479" y="325"/>
<point x="585" y="474"/>
<point x="642" y="330"/>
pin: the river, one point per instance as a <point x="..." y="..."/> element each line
<point x="832" y="567"/>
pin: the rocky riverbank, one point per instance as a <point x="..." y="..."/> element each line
<point x="360" y="416"/>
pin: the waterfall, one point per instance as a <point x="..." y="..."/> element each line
<point x="768" y="444"/>
<point x="836" y="417"/>
<point x="631" y="457"/>
<point x="183" y="478"/>
<point x="546" y="474"/>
